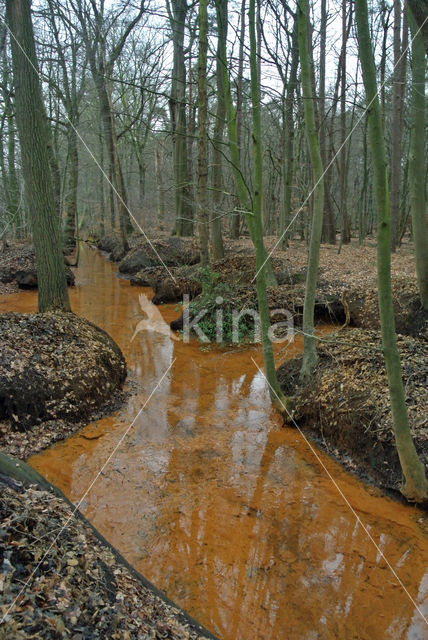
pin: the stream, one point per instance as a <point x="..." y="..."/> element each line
<point x="230" y="514"/>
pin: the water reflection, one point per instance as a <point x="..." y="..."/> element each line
<point x="221" y="508"/>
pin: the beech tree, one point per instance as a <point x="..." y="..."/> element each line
<point x="415" y="486"/>
<point x="34" y="138"/>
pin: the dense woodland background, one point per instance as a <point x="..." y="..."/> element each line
<point x="120" y="83"/>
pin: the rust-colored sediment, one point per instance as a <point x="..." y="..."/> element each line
<point x="228" y="513"/>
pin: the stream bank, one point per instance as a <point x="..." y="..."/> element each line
<point x="346" y="406"/>
<point x="232" y="516"/>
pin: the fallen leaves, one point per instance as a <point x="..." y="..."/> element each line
<point x="80" y="590"/>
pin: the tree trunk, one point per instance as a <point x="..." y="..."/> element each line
<point x="329" y="230"/>
<point x="203" y="134"/>
<point x="310" y="356"/>
<point x="399" y="80"/>
<point x="159" y="185"/>
<point x="71" y="195"/>
<point x="183" y="203"/>
<point x="256" y="222"/>
<point x="240" y="184"/>
<point x="33" y="137"/>
<point x="236" y="217"/>
<point x="345" y="236"/>
<point x="288" y="164"/>
<point x="417" y="162"/>
<point x="415" y="487"/>
<point x="420" y="12"/>
<point x="217" y="247"/>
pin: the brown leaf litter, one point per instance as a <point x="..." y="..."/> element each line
<point x="58" y="580"/>
<point x="347" y="407"/>
<point x="57" y="372"/>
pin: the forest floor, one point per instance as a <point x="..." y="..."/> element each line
<point x="57" y="373"/>
<point x="77" y="587"/>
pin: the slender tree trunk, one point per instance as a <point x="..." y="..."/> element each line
<point x="217" y="246"/>
<point x="160" y="187"/>
<point x="256" y="222"/>
<point x="240" y="184"/>
<point x="236" y="217"/>
<point x="399" y="79"/>
<point x="71" y="195"/>
<point x="310" y="356"/>
<point x="33" y="136"/>
<point x="345" y="236"/>
<point x="203" y="218"/>
<point x="288" y="165"/>
<point x="415" y="487"/>
<point x="183" y="203"/>
<point x="417" y="162"/>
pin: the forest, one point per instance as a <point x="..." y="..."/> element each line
<point x="213" y="319"/>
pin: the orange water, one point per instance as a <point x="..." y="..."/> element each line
<point x="228" y="513"/>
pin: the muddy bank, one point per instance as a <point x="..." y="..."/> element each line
<point x="18" y="268"/>
<point x="81" y="586"/>
<point x="57" y="372"/>
<point x="346" y="406"/>
<point x="343" y="294"/>
<point x="171" y="251"/>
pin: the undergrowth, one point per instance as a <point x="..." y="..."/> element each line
<point x="218" y="299"/>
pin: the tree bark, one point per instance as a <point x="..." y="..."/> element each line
<point x="288" y="165"/>
<point x="71" y="195"/>
<point x="420" y="12"/>
<point x="236" y="217"/>
<point x="310" y="356"/>
<point x="217" y="247"/>
<point x="203" y="218"/>
<point x="399" y="79"/>
<point x="415" y="487"/>
<point x="34" y="137"/>
<point x="417" y="162"/>
<point x="256" y="222"/>
<point x="183" y="203"/>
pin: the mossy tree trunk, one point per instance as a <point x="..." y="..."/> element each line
<point x="415" y="486"/>
<point x="71" y="195"/>
<point x="417" y="162"/>
<point x="420" y="12"/>
<point x="33" y="137"/>
<point x="310" y="356"/>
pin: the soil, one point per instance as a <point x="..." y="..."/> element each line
<point x="346" y="289"/>
<point x="59" y="578"/>
<point x="346" y="406"/>
<point x="57" y="372"/>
